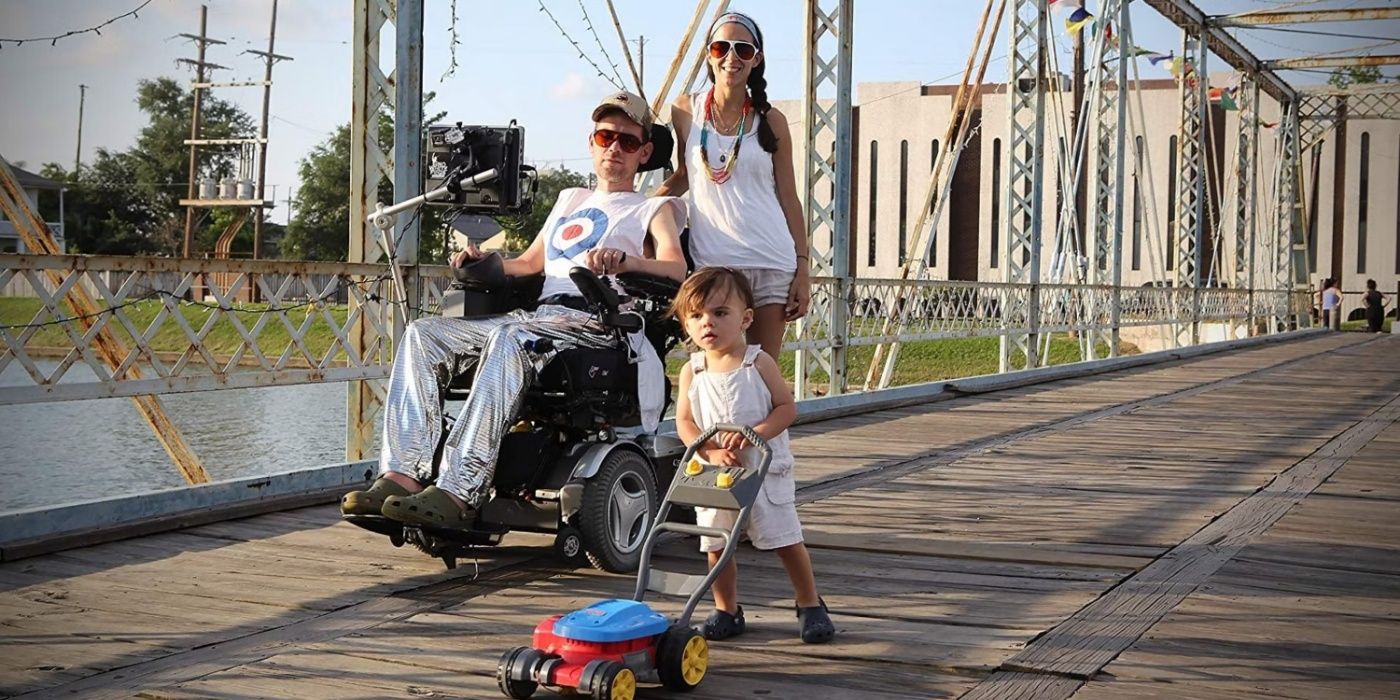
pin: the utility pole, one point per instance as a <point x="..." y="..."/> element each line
<point x="641" y="59"/>
<point x="269" y="58"/>
<point x="78" y="156"/>
<point x="200" y="65"/>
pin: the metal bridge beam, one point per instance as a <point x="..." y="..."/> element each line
<point x="826" y="188"/>
<point x="372" y="163"/>
<point x="1192" y="229"/>
<point x="1255" y="19"/>
<point x="1286" y="241"/>
<point x="1026" y="87"/>
<point x="1332" y="61"/>
<point x="1246" y="178"/>
<point x="1185" y="14"/>
<point x="1110" y="127"/>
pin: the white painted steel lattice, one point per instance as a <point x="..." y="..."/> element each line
<point x="1191" y="174"/>
<point x="1024" y="200"/>
<point x="826" y="186"/>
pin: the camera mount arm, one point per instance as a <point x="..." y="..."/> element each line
<point x="383" y="219"/>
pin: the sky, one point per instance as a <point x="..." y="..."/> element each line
<point x="513" y="62"/>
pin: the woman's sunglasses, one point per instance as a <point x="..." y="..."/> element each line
<point x="719" y="48"/>
<point x="603" y="138"/>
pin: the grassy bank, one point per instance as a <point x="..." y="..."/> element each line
<point x="221" y="340"/>
<point x="923" y="361"/>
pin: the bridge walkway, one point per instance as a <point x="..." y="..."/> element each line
<point x="1223" y="526"/>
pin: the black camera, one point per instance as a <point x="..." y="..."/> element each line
<point x="458" y="155"/>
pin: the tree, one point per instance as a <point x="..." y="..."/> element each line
<point x="1343" y="78"/>
<point x="127" y="203"/>
<point x="320" y="230"/>
<point x="521" y="230"/>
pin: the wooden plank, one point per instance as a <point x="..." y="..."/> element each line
<point x="1090" y="639"/>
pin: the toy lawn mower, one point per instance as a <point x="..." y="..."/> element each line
<point x="604" y="650"/>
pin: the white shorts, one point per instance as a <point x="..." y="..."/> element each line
<point x="772" y="519"/>
<point x="769" y="286"/>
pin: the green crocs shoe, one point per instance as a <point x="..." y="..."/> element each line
<point x="371" y="500"/>
<point x="431" y="507"/>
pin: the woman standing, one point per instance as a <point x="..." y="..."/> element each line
<point x="1375" y="308"/>
<point x="1331" y="305"/>
<point x="737" y="168"/>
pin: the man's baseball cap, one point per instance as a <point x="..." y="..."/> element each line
<point x="629" y="104"/>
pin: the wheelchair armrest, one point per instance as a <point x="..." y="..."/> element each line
<point x="477" y="298"/>
<point x="643" y="284"/>
<point x="625" y="322"/>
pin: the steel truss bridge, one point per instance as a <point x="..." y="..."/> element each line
<point x="109" y="311"/>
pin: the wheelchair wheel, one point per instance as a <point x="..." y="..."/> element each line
<point x="619" y="506"/>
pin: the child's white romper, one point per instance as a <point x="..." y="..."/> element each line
<point x="740" y="396"/>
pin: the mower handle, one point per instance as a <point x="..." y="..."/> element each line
<point x="730" y="536"/>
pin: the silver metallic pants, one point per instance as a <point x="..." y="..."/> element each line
<point x="434" y="350"/>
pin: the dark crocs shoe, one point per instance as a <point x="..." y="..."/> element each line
<point x="431" y="507"/>
<point x="817" y="627"/>
<point x="371" y="500"/>
<point x="721" y="625"/>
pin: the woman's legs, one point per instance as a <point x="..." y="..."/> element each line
<point x="769" y="324"/>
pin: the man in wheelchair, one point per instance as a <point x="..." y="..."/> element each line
<point x="610" y="230"/>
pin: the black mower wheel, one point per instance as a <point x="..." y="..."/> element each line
<point x="568" y="545"/>
<point x="618" y="509"/>
<point x="515" y="672"/>
<point x="682" y="657"/>
<point x="613" y="681"/>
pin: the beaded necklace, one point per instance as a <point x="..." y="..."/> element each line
<point x="721" y="175"/>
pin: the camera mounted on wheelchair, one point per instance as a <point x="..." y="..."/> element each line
<point x="457" y="154"/>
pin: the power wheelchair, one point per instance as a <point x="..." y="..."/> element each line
<point x="576" y="461"/>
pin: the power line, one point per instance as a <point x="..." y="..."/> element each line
<point x="53" y="40"/>
<point x="581" y="53"/>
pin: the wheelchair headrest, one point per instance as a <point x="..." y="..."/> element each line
<point x="662" y="145"/>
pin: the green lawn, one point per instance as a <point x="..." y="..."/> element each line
<point x="222" y="338"/>
<point x="1360" y="326"/>
<point x="932" y="360"/>
<point x="922" y="361"/>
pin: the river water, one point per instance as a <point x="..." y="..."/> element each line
<point x="66" y="451"/>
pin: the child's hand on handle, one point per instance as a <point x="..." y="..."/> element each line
<point x="730" y="441"/>
<point x="722" y="457"/>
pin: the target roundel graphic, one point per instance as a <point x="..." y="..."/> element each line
<point x="576" y="233"/>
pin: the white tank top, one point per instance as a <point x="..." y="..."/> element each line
<point x="739" y="223"/>
<point x="582" y="220"/>
<point x="738" y="396"/>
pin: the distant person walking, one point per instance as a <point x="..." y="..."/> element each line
<point x="1375" y="308"/>
<point x="1331" y="305"/>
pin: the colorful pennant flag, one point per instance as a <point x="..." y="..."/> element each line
<point x="1155" y="58"/>
<point x="1076" y="21"/>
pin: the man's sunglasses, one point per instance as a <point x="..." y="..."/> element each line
<point x="719" y="48"/>
<point x="603" y="138"/>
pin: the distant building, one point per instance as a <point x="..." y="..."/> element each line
<point x="899" y="125"/>
<point x="34" y="186"/>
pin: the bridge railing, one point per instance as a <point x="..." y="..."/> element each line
<point x="893" y="310"/>
<point x="195" y="325"/>
<point x="168" y="325"/>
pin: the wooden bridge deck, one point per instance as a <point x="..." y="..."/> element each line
<point x="1224" y="527"/>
